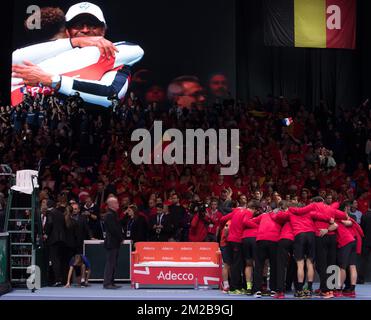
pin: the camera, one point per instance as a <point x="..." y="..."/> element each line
<point x="198" y="207"/>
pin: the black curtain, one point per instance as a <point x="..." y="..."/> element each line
<point x="340" y="77"/>
<point x="6" y="26"/>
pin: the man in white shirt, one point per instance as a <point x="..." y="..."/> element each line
<point x="96" y="68"/>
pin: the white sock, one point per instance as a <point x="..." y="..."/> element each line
<point x="225" y="284"/>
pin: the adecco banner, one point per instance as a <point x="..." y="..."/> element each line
<point x="176" y="263"/>
<point x="176" y="276"/>
<point x="177" y="251"/>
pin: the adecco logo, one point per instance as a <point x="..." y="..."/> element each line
<point x="175" y="276"/>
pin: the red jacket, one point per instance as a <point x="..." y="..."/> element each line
<point x="344" y="235"/>
<point x="322" y="219"/>
<point x="237" y="226"/>
<point x="302" y="221"/>
<point x="283" y="218"/>
<point x="269" y="229"/>
<point x="198" y="229"/>
<point x="250" y="229"/>
<point x="357" y="232"/>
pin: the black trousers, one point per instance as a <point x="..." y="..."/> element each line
<point x="111" y="266"/>
<point x="286" y="265"/>
<point x="265" y="250"/>
<point x="325" y="257"/>
<point x="365" y="263"/>
<point x="57" y="253"/>
<point x="236" y="266"/>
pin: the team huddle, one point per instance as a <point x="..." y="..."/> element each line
<point x="317" y="237"/>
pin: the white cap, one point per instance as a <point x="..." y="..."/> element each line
<point x="85" y="8"/>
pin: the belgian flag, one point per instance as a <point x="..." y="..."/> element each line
<point x="310" y="23"/>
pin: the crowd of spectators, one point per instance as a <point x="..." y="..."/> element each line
<point x="83" y="155"/>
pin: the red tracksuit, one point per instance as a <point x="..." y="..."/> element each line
<point x="344" y="235"/>
<point x="357" y="232"/>
<point x="250" y="228"/>
<point x="237" y="227"/>
<point x="268" y="229"/>
<point x="302" y="222"/>
<point x="283" y="218"/>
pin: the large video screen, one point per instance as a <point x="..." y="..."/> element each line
<point x="158" y="41"/>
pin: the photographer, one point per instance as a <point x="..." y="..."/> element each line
<point x="198" y="231"/>
<point x="91" y="212"/>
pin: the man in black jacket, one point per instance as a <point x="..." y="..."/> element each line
<point x="112" y="242"/>
<point x="178" y="214"/>
<point x="82" y="228"/>
<point x="56" y="239"/>
<point x="366" y="245"/>
<point x="162" y="226"/>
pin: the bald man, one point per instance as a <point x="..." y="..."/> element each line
<point x="112" y="242"/>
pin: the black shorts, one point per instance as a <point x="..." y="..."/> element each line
<point x="347" y="255"/>
<point x="304" y="246"/>
<point x="226" y="254"/>
<point x="249" y="248"/>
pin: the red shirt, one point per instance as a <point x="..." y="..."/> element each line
<point x="357" y="232"/>
<point x="344" y="235"/>
<point x="322" y="219"/>
<point x="198" y="230"/>
<point x="236" y="229"/>
<point x="269" y="229"/>
<point x="319" y="210"/>
<point x="283" y="218"/>
<point x="301" y="224"/>
<point x="250" y="228"/>
<point x="223" y="237"/>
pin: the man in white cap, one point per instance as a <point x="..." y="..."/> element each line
<point x="96" y="68"/>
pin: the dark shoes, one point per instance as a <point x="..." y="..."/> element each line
<point x="111" y="286"/>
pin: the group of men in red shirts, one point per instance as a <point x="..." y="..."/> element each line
<point x="316" y="237"/>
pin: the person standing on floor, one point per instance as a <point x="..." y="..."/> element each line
<point x="112" y="242"/>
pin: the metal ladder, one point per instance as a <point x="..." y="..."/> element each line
<point x="23" y="223"/>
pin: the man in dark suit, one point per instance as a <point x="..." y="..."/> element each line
<point x="161" y="226"/>
<point x="112" y="242"/>
<point x="366" y="245"/>
<point x="83" y="232"/>
<point x="56" y="239"/>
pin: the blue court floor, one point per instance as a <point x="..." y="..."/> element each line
<point x="96" y="292"/>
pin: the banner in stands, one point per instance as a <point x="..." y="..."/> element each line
<point x="310" y="23"/>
